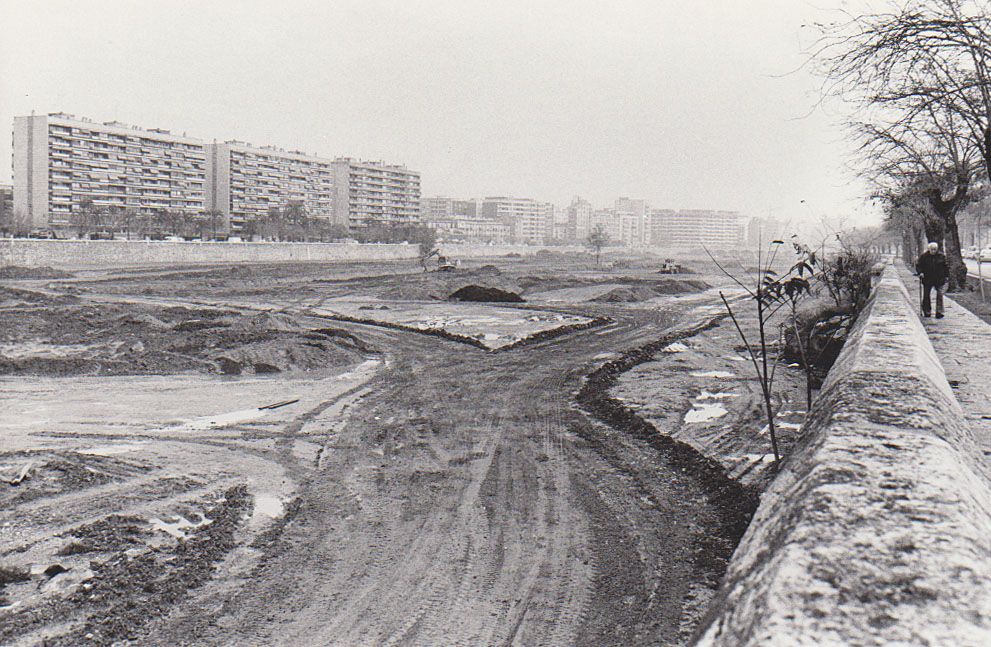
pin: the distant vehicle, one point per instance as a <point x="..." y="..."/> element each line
<point x="220" y="238"/>
<point x="445" y="264"/>
<point x="174" y="239"/>
<point x="970" y="252"/>
<point x="155" y="235"/>
<point x="101" y="235"/>
<point x="985" y="255"/>
<point x="234" y="239"/>
<point x="44" y="234"/>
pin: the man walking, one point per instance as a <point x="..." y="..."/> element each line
<point x="933" y="271"/>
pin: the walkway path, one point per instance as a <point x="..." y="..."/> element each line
<point x="962" y="341"/>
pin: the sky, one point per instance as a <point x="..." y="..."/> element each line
<point x="703" y="104"/>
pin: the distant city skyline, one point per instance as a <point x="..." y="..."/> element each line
<point x="686" y="107"/>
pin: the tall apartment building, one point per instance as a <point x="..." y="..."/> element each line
<point x="529" y="221"/>
<point x="579" y="217"/>
<point x="695" y="228"/>
<point x="375" y="193"/>
<point x="6" y="203"/>
<point x="245" y="182"/>
<point x="634" y="216"/>
<point x="60" y="162"/>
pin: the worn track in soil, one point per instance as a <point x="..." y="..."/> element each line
<point x="469" y="501"/>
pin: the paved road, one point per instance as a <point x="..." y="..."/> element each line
<point x="973" y="270"/>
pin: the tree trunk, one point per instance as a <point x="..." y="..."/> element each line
<point x="947" y="213"/>
<point x="909" y="243"/>
<point x="934" y="227"/>
<point x="954" y="257"/>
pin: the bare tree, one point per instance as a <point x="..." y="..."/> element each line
<point x="919" y="77"/>
<point x="86" y="218"/>
<point x="596" y="241"/>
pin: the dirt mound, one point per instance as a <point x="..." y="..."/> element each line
<point x="266" y="321"/>
<point x="680" y="286"/>
<point x="646" y="291"/>
<point x="145" y="340"/>
<point x="485" y="294"/>
<point x="17" y="272"/>
<point x="280" y="355"/>
<point x="627" y="295"/>
<point x="30" y="296"/>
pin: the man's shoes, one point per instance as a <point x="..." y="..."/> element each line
<point x="926" y="314"/>
<point x="939" y="315"/>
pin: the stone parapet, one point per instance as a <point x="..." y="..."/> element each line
<point x="124" y="253"/>
<point x="877" y="531"/>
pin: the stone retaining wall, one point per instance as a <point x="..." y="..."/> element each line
<point x="469" y="250"/>
<point x="107" y="253"/>
<point x="877" y="531"/>
<point x="111" y="253"/>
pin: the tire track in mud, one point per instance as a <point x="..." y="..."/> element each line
<point x="724" y="506"/>
<point x="511" y="549"/>
<point x="461" y="540"/>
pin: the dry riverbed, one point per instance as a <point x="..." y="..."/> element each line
<point x="366" y="483"/>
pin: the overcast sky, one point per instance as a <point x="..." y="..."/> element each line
<point x="687" y="104"/>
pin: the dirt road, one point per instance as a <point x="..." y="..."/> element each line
<point x="470" y="500"/>
<point x="463" y="505"/>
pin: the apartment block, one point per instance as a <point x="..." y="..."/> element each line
<point x="609" y="223"/>
<point x="61" y="162"/>
<point x="634" y="217"/>
<point x="246" y="182"/>
<point x="579" y="219"/>
<point x="443" y="208"/>
<point x="461" y="220"/>
<point x="529" y="221"/>
<point x="695" y="228"/>
<point x="374" y="193"/>
<point x="475" y="229"/>
<point x="6" y="202"/>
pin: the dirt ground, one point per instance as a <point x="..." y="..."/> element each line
<point x="212" y="456"/>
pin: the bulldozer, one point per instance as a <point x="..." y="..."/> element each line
<point x="444" y="263"/>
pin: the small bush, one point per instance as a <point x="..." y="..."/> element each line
<point x="849" y="277"/>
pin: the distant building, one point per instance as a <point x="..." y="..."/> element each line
<point x="761" y="231"/>
<point x="462" y="220"/>
<point x="694" y="229"/>
<point x="6" y="202"/>
<point x="610" y="224"/>
<point x="245" y="182"/>
<point x="529" y="221"/>
<point x="61" y="162"/>
<point x="374" y="193"/>
<point x="442" y="208"/>
<point x="579" y="219"/>
<point x="634" y="221"/>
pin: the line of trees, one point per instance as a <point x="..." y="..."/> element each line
<point x="290" y="223"/>
<point x="90" y="217"/>
<point x="918" y="78"/>
<point x="293" y="223"/>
